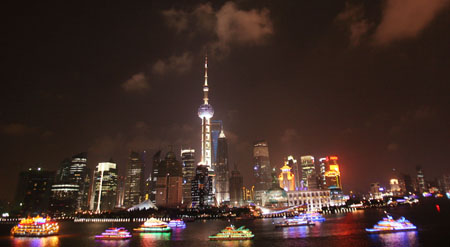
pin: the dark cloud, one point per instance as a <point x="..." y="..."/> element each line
<point x="178" y="64"/>
<point x="138" y="82"/>
<point x="406" y="19"/>
<point x="18" y="129"/>
<point x="357" y="25"/>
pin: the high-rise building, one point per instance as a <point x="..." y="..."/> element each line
<point x="261" y="169"/>
<point x="134" y="180"/>
<point x="286" y="178"/>
<point x="444" y="183"/>
<point x="291" y="162"/>
<point x="333" y="174"/>
<point x="236" y="184"/>
<point x="169" y="182"/>
<point x="421" y="180"/>
<point x="375" y="191"/>
<point x="308" y="172"/>
<point x="34" y="190"/>
<point x="202" y="188"/>
<point x="409" y="185"/>
<point x="120" y="192"/>
<point x="70" y="192"/>
<point x="322" y="170"/>
<point x="216" y="128"/>
<point x="188" y="169"/>
<point x="222" y="182"/>
<point x="104" y="195"/>
<point x="154" y="176"/>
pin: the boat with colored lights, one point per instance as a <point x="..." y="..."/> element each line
<point x="35" y="227"/>
<point x="231" y="233"/>
<point x="314" y="217"/>
<point x="153" y="225"/>
<point x="296" y="221"/>
<point x="388" y="224"/>
<point x="114" y="234"/>
<point x="176" y="224"/>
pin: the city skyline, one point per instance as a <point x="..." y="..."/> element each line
<point x="308" y="89"/>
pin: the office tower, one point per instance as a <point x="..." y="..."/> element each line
<point x="422" y="186"/>
<point x="169" y="182"/>
<point x="395" y="187"/>
<point x="333" y="174"/>
<point x="202" y="191"/>
<point x="154" y="175"/>
<point x="80" y="175"/>
<point x="409" y="185"/>
<point x="222" y="171"/>
<point x="444" y="183"/>
<point x="236" y="184"/>
<point x="206" y="112"/>
<point x="104" y="196"/>
<point x="261" y="169"/>
<point x="134" y="180"/>
<point x="291" y="162"/>
<point x="286" y="178"/>
<point x="188" y="170"/>
<point x="216" y="128"/>
<point x="308" y="172"/>
<point x="322" y="170"/>
<point x="34" y="190"/>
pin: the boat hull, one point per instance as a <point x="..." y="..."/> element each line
<point x="289" y="225"/>
<point x="371" y="230"/>
<point x="229" y="239"/>
<point x="152" y="230"/>
<point x="34" y="235"/>
<point x="112" y="238"/>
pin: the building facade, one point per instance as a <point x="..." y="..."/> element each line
<point x="202" y="188"/>
<point x="292" y="162"/>
<point x="188" y="170"/>
<point x="134" y="180"/>
<point x="222" y="173"/>
<point x="236" y="185"/>
<point x="286" y="178"/>
<point x="261" y="169"/>
<point x="315" y="200"/>
<point x="169" y="182"/>
<point x="309" y="179"/>
<point x="104" y="196"/>
<point x="151" y="186"/>
<point x="34" y="190"/>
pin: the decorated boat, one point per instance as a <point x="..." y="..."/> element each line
<point x="35" y="227"/>
<point x="176" y="224"/>
<point x="388" y="224"/>
<point x="114" y="234"/>
<point x="296" y="221"/>
<point x="153" y="225"/>
<point x="231" y="233"/>
<point x="314" y="217"/>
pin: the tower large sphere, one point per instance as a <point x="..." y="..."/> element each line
<point x="205" y="111"/>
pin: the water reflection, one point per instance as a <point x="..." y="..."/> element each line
<point x="240" y="243"/>
<point x="408" y="238"/>
<point x="150" y="239"/>
<point x="35" y="242"/>
<point x="296" y="231"/>
<point x="113" y="243"/>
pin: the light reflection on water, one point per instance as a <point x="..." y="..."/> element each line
<point x="113" y="243"/>
<point x="398" y="239"/>
<point x="35" y="242"/>
<point x="151" y="238"/>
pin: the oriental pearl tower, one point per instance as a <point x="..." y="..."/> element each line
<point x="206" y="112"/>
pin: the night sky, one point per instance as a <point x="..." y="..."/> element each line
<point x="365" y="80"/>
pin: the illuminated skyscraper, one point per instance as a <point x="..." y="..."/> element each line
<point x="222" y="171"/>
<point x="308" y="172"/>
<point x="286" y="178"/>
<point x="188" y="164"/>
<point x="322" y="170"/>
<point x="216" y="128"/>
<point x="261" y="169"/>
<point x="333" y="174"/>
<point x="421" y="180"/>
<point x="105" y="187"/>
<point x="154" y="176"/>
<point x="134" y="180"/>
<point x="295" y="170"/>
<point x="206" y="112"/>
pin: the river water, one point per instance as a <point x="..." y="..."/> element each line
<point x="338" y="230"/>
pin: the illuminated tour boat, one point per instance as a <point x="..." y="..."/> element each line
<point x="296" y="221"/>
<point x="154" y="225"/>
<point x="35" y="227"/>
<point x="177" y="224"/>
<point x="314" y="217"/>
<point x="231" y="233"/>
<point x="114" y="234"/>
<point x="388" y="224"/>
